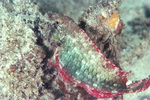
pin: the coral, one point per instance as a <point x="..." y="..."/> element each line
<point x="102" y="23"/>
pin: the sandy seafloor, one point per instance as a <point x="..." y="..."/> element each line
<point x="135" y="52"/>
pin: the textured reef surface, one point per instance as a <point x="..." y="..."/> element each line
<point x="26" y="28"/>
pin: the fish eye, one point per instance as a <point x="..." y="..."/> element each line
<point x="57" y="22"/>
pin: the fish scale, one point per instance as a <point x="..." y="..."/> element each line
<point x="86" y="71"/>
<point x="79" y="60"/>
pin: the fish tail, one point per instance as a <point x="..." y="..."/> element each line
<point x="138" y="86"/>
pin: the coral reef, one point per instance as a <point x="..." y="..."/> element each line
<point x="24" y="50"/>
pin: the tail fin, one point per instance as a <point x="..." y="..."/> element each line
<point x="138" y="86"/>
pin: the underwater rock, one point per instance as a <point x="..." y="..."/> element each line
<point x="20" y="57"/>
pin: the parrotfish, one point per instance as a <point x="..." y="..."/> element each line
<point x="79" y="61"/>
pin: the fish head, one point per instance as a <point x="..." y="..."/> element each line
<point x="57" y="34"/>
